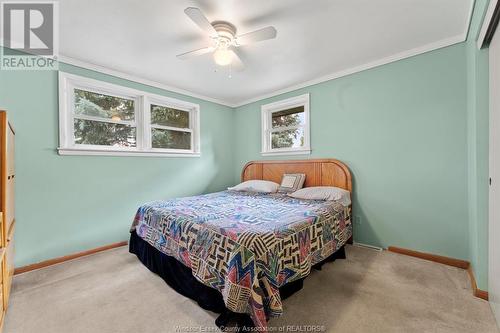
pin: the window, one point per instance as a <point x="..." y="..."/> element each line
<point x="170" y="128"/>
<point x="104" y="120"/>
<point x="285" y="127"/>
<point x="97" y="118"/>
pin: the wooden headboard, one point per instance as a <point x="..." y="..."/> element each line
<point x="323" y="172"/>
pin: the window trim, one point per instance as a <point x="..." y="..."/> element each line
<point x="266" y="126"/>
<point x="142" y="123"/>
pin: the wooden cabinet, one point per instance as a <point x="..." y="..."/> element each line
<point x="7" y="215"/>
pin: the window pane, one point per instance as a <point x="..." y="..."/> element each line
<point x="104" y="134"/>
<point x="168" y="139"/>
<point x="161" y="115"/>
<point x="104" y="106"/>
<point x="289" y="117"/>
<point x="293" y="138"/>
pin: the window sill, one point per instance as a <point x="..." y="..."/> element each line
<point x="286" y="152"/>
<point x="110" y="152"/>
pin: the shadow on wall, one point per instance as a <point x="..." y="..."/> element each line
<point x="218" y="169"/>
<point x="201" y="171"/>
<point x="362" y="230"/>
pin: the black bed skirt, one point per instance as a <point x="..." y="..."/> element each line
<point x="180" y="278"/>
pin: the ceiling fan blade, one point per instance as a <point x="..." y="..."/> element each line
<point x="256" y="36"/>
<point x="236" y="64"/>
<point x="195" y="53"/>
<point x="201" y="20"/>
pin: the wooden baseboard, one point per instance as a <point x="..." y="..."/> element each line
<point x="482" y="294"/>
<point x="475" y="290"/>
<point x="431" y="257"/>
<point x="59" y="260"/>
<point x="463" y="264"/>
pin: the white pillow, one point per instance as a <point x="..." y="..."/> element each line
<point x="323" y="193"/>
<point x="263" y="186"/>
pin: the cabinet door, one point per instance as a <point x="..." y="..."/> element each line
<point x="2" y="284"/>
<point x="2" y="292"/>
<point x="9" y="205"/>
<point x="10" y="208"/>
<point x="10" y="151"/>
<point x="8" y="267"/>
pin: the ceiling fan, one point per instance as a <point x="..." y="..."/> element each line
<point x="224" y="39"/>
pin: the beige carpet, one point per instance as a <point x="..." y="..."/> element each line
<point x="369" y="292"/>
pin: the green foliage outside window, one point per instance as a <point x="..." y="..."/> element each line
<point x="103" y="133"/>
<point x="94" y="132"/>
<point x="169" y="139"/>
<point x="161" y="115"/>
<point x="103" y="106"/>
<point x="288" y="138"/>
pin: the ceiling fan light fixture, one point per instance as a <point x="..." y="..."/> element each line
<point x="224" y="39"/>
<point x="223" y="57"/>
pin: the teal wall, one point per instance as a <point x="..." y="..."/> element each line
<point x="66" y="204"/>
<point x="413" y="132"/>
<point x="478" y="137"/>
<point x="402" y="130"/>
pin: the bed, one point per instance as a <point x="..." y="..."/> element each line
<point x="243" y="249"/>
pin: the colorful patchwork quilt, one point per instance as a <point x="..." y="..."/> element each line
<point x="246" y="245"/>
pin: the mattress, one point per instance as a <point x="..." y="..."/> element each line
<point x="246" y="245"/>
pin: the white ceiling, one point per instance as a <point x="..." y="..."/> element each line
<point x="316" y="40"/>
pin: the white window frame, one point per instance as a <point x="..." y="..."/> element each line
<point x="266" y="115"/>
<point x="143" y="100"/>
